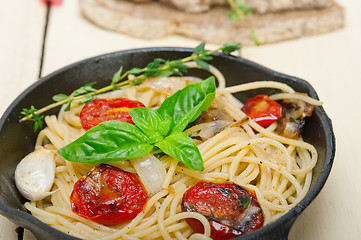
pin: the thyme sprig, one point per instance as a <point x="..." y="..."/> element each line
<point x="38" y="123"/>
<point x="158" y="68"/>
<point x="240" y="11"/>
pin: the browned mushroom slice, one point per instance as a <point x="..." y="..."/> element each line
<point x="294" y="114"/>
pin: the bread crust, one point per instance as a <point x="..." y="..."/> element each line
<point x="258" y="6"/>
<point x="152" y="20"/>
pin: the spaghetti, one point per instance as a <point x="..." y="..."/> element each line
<point x="276" y="168"/>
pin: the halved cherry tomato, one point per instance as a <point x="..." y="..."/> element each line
<point x="230" y="209"/>
<point x="108" y="195"/>
<point x="101" y="110"/>
<point x="263" y="110"/>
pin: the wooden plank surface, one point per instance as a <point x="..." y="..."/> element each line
<point x="21" y="35"/>
<point x="331" y="63"/>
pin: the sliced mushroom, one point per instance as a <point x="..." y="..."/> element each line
<point x="293" y="119"/>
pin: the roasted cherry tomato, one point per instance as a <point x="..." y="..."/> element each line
<point x="108" y="195"/>
<point x="263" y="110"/>
<point x="230" y="209"/>
<point x="101" y="110"/>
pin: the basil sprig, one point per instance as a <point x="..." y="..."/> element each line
<point x="153" y="130"/>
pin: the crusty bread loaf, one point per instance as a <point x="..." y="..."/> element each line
<point x="264" y="6"/>
<point x="258" y="6"/>
<point x="153" y="20"/>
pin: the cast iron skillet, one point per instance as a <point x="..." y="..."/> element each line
<point x="17" y="139"/>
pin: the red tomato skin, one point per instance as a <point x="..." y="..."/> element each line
<point x="108" y="195"/>
<point x="101" y="110"/>
<point x="205" y="198"/>
<point x="263" y="110"/>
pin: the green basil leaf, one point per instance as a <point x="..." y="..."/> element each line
<point x="194" y="113"/>
<point x="109" y="141"/>
<point x="149" y="121"/>
<point x="187" y="104"/>
<point x="180" y="146"/>
<point x="165" y="126"/>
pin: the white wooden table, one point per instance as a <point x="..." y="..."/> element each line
<point x="331" y="63"/>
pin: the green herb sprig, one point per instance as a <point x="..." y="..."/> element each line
<point x="240" y="11"/>
<point x="84" y="90"/>
<point x="158" y="68"/>
<point x="160" y="129"/>
<point x="38" y="123"/>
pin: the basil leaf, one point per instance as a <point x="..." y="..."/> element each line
<point x="187" y="104"/>
<point x="109" y="141"/>
<point x="114" y="140"/>
<point x="194" y="113"/>
<point x="164" y="126"/>
<point x="180" y="146"/>
<point x="149" y="121"/>
<point x="146" y="119"/>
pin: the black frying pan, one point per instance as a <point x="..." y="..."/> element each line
<point x="17" y="139"/>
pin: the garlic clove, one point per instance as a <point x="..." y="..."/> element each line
<point x="34" y="175"/>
